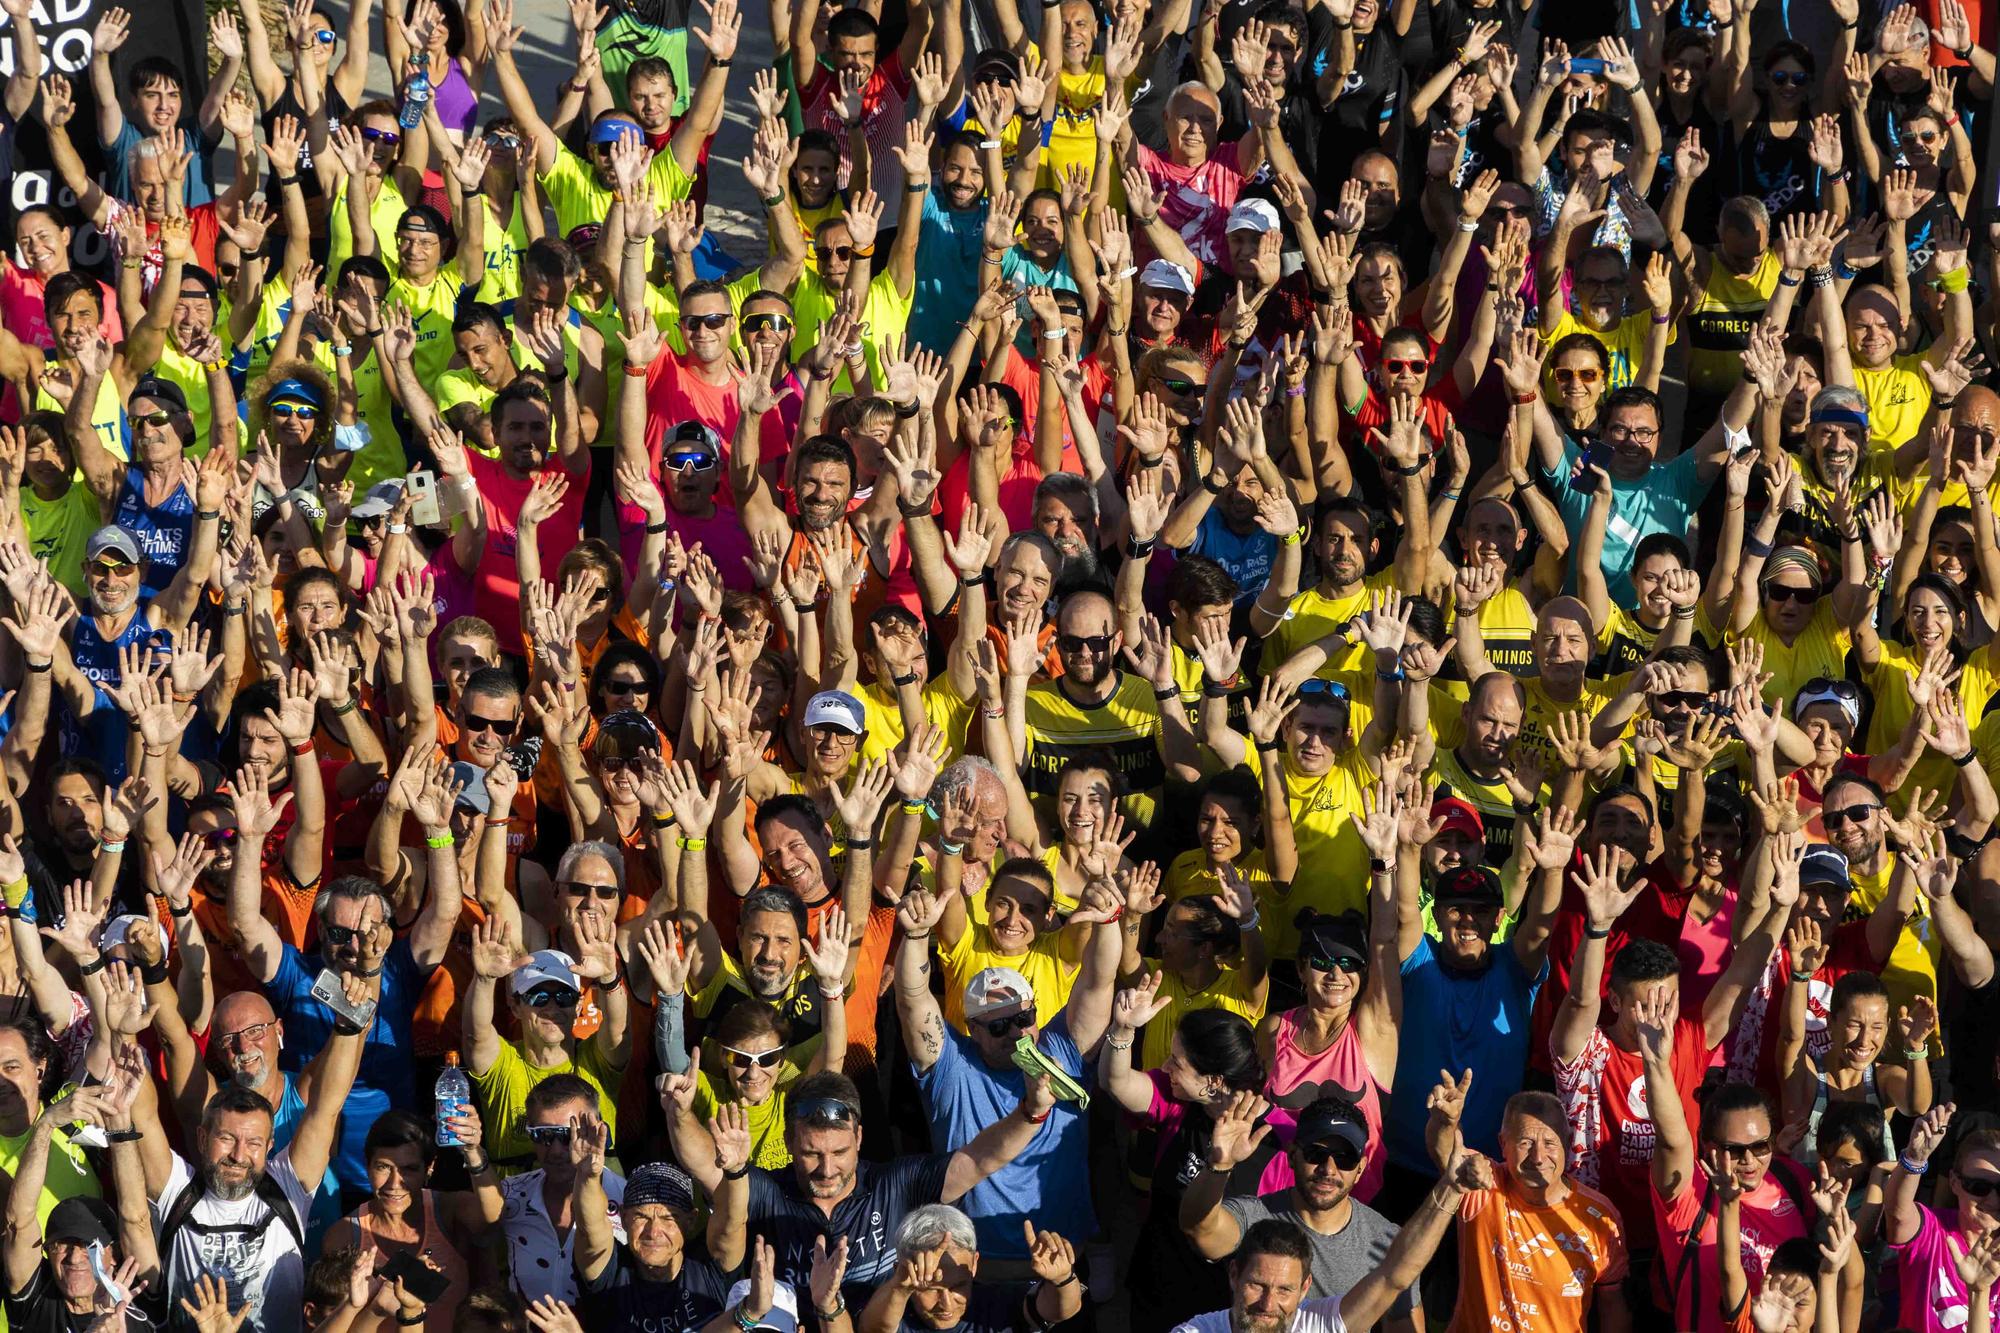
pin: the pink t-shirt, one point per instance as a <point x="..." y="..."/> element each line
<point x="722" y="536"/>
<point x="1298" y="1079"/>
<point x="675" y="393"/>
<point x="1165" y="1116"/>
<point x="1195" y="201"/>
<point x="1768" y="1219"/>
<point x="1704" y="952"/>
<point x="21" y="307"/>
<point x="1933" y="1300"/>
<point x="497" y="586"/>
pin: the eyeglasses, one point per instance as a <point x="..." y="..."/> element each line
<point x="342" y="936"/>
<point x="824" y="1111"/>
<point x="1344" y="1155"/>
<point x="999" y="1028"/>
<point x="153" y="419"/>
<point x="1174" y="384"/>
<point x="1979" y="1187"/>
<point x="1334" y="963"/>
<point x="548" y="1133"/>
<point x="1588" y="375"/>
<point x="1076" y="643"/>
<point x="373" y="135"/>
<point x="694" y="459"/>
<point x="1784" y="592"/>
<point x="1789" y="79"/>
<point x="626" y="688"/>
<point x="1396" y="365"/>
<point x="1637" y="434"/>
<point x="836" y="252"/>
<point x="286" y="411"/>
<point x="1853" y="814"/>
<point x="826" y="731"/>
<point x="1681" y="699"/>
<point x="576" y="888"/>
<point x="499" y="726"/>
<point x="249" y="1036"/>
<point x="715" y="321"/>
<point x="1759" y="1148"/>
<point x="755" y="1059"/>
<point x="544" y="997"/>
<point x="765" y="320"/>
<point x="219" y="837"/>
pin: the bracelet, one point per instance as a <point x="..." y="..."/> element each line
<point x="185" y="909"/>
<point x="835" y="994"/>
<point x="478" y="1168"/>
<point x="920" y="935"/>
<point x="375" y="332"/>
<point x="1216" y="689"/>
<point x="915" y="187"/>
<point x="1756" y="546"/>
<point x="95" y="965"/>
<point x="1036" y="1119"/>
<point x="805" y="608"/>
<point x="1962" y="760"/>
<point x="1170" y="692"/>
<point x="865" y="251"/>
<point x="502" y="822"/>
<point x="1250" y="922"/>
<point x="912" y="509"/>
<point x="343" y="349"/>
<point x="1943" y="404"/>
<point x="1265" y="747"/>
<point x="909" y="678"/>
<point x="440" y="841"/>
<point x="133" y="263"/>
<point x="575" y="87"/>
<point x="738" y="1174"/>
<point x="655" y="529"/>
<point x="1293" y="538"/>
<point x="1918" y="1054"/>
<point x="412" y="1322"/>
<point x="1914" y="1168"/>
<point x="399" y="528"/>
<point x="108" y="848"/>
<point x="951" y="848"/>
<point x="1124" y="1045"/>
<point x="1468" y="225"/>
<point x="1786" y="280"/>
<point x="1663" y="319"/>
<point x="342" y="710"/>
<point x="203" y="515"/>
<point x="1139" y="550"/>
<point x="1683" y="613"/>
<point x="718" y="63"/>
<point x="286" y="182"/>
<point x="1800" y="978"/>
<point x="633" y="372"/>
<point x="153" y="973"/>
<point x="860" y="844"/>
<point x="916" y="807"/>
<point x="1523" y="399"/>
<point x="839" y="1308"/>
<point x="304" y="747"/>
<point x="1590" y="934"/>
<point x="122" y="1135"/>
<point x="42" y="666"/>
<point x="692" y="844"/>
<point x="662" y="821"/>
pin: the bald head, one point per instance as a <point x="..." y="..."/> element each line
<point x="240" y="1009"/>
<point x="1977" y="405"/>
<point x="245" y="1037"/>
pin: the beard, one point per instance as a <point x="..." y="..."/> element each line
<point x="231" y="1190"/>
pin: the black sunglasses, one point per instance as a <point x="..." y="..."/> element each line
<point x="340" y="936"/>
<point x="543" y="997"/>
<point x="623" y="688"/>
<point x="1979" y="1187"/>
<point x="1853" y="814"/>
<point x="498" y="726"/>
<point x="1779" y="592"/>
<point x="1341" y="1153"/>
<point x="1174" y="384"/>
<point x="1334" y="963"/>
<point x="1076" y="643"/>
<point x="578" y="889"/>
<point x="999" y="1028"/>
<point x="824" y="1111"/>
<point x="548" y="1133"/>
<point x="1682" y="699"/>
<point x="715" y="321"/>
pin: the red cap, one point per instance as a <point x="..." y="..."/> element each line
<point x="1459" y="817"/>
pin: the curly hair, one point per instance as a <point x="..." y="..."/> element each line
<point x="307" y="373"/>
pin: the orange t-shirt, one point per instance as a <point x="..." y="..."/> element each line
<point x="1531" y="1268"/>
<point x="283" y="903"/>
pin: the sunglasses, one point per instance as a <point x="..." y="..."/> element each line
<point x="1505" y="211"/>
<point x="826" y="731"/>
<point x="286" y="411"/>
<point x="1682" y="699"/>
<point x="1839" y="689"/>
<point x="1397" y="365"/>
<point x="220" y="837"/>
<point x="502" y="143"/>
<point x="1787" y="79"/>
<point x="1779" y="592"/>
<point x="1345" y="1156"/>
<point x="1315" y="687"/>
<point x="389" y="137"/>
<point x="105" y="568"/>
<point x="618" y="763"/>
<point x="758" y="323"/>
<point x="548" y="1133"/>
<point x="836" y="252"/>
<point x="1174" y="384"/>
<point x="1926" y="137"/>
<point x="324" y="36"/>
<point x="1334" y="963"/>
<point x="999" y="1028"/>
<point x="1076" y="643"/>
<point x="544" y="997"/>
<point x="714" y="321"/>
<point x="755" y="1059"/>
<point x="626" y="688"/>
<point x="342" y="936"/>
<point x="1853" y="814"/>
<point x="1759" y="1148"/>
<point x="153" y="419"/>
<point x="578" y="889"/>
<point x="1979" y="1187"/>
<point x="693" y="459"/>
<point x="499" y="726"/>
<point x="1588" y="375"/>
<point x="249" y="1036"/>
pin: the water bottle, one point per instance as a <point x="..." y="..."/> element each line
<point x="454" y="1097"/>
<point x="416" y="95"/>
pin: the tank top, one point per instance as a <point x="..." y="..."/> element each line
<point x="1297" y="1078"/>
<point x="1778" y="171"/>
<point x="1719" y="323"/>
<point x="101" y="736"/>
<point x="435" y="1245"/>
<point x="1808" y="1150"/>
<point x="457" y="105"/>
<point x="107" y="418"/>
<point x="164" y="530"/>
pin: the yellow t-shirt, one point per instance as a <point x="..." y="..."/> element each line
<point x="1624" y="346"/>
<point x="382" y="457"/>
<point x="943" y="709"/>
<point x="1912" y="969"/>
<point x="1889" y="682"/>
<point x="766" y="1119"/>
<point x="274" y="303"/>
<point x="1312" y="615"/>
<point x="59" y="529"/>
<point x="70" y="1174"/>
<point x="1231" y="990"/>
<point x="505" y="243"/>
<point x="503" y="1095"/>
<point x="1877" y="470"/>
<point x="1190" y="877"/>
<point x="1542" y="709"/>
<point x="1820" y="650"/>
<point x="577" y="195"/>
<point x="1898" y="397"/>
<point x="107" y="419"/>
<point x="432" y="306"/>
<point x="1042" y="965"/>
<point x="1507" y="624"/>
<point x="177" y="367"/>
<point x="1333" y="861"/>
<point x="1624" y="642"/>
<point x="1720" y="320"/>
<point x="383" y="215"/>
<point x="1126" y="727"/>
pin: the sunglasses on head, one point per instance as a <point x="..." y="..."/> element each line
<point x="824" y="1111"/>
<point x="1853" y="814"/>
<point x="373" y="135"/>
<point x="1979" y="1187"/>
<point x="1780" y="592"/>
<point x="548" y="1133"/>
<point x="544" y="997"/>
<point x="1588" y="375"/>
<point x="1789" y="78"/>
<point x="766" y="320"/>
<point x="755" y="1059"/>
<point x="1397" y="365"/>
<point x="1334" y="963"/>
<point x="499" y="726"/>
<point x="152" y="419"/>
<point x="576" y="888"/>
<point x="286" y="411"/>
<point x="1315" y="687"/>
<point x="1000" y="1028"/>
<point x="1076" y="643"/>
<point x="694" y="459"/>
<point x="1344" y="1155"/>
<point x="715" y="321"/>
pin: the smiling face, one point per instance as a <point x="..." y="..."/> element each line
<point x="1951" y="552"/>
<point x="1687" y="70"/>
<point x="1489" y="533"/>
<point x="1929" y="619"/>
<point x="750" y="1081"/>
<point x="74" y="322"/>
<point x="1269" y="1288"/>
<point x="1836" y="448"/>
<point x="1223" y="828"/>
<point x="1860" y="838"/>
<point x="155" y="442"/>
<point x="43" y="244"/>
<point x="397" y="1177"/>
<point x="521" y="430"/>
<point x="1023" y="578"/>
<point x="656" y="1235"/>
<point x="962" y="177"/>
<point x="1058" y="518"/>
<point x="1315" y="734"/>
<point x="823" y="488"/>
<point x="1042" y="229"/>
<point x="1859" y="1029"/>
<point x="233" y="1153"/>
<point x="651" y="96"/>
<point x="1633" y="432"/>
<point x="1979" y="1205"/>
<point x="1087" y="640"/>
<point x="1649" y="580"/>
<point x="1533" y="1150"/>
<point x="247" y="1034"/>
<point x="1873" y="328"/>
<point x="1193" y="125"/>
<point x="1083" y="801"/>
<point x="1625" y="826"/>
<point x="795" y="856"/>
<point x="1377" y="286"/>
<point x="1017" y="912"/>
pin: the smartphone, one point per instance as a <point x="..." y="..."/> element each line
<point x="326" y="989"/>
<point x="1598" y="455"/>
<point x="1585" y="65"/>
<point x="420" y="1280"/>
<point x="423" y="490"/>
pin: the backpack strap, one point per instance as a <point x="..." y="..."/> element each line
<point x="273" y="1195"/>
<point x="182" y="1210"/>
<point x="177" y="1216"/>
<point x="1688" y="1272"/>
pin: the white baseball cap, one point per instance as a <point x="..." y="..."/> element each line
<point x="836" y="708"/>
<point x="1167" y="276"/>
<point x="1253" y="215"/>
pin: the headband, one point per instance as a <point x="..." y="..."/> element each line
<point x="1839" y="416"/>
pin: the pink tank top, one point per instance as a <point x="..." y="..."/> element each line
<point x="435" y="1246"/>
<point x="1297" y="1079"/>
<point x="1704" y="952"/>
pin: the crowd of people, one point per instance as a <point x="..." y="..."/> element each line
<point x="1250" y="667"/>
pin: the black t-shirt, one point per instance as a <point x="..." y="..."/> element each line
<point x="1371" y="98"/>
<point x="40" y="1308"/>
<point x="883" y="1194"/>
<point x="995" y="1309"/>
<point x="618" y="1300"/>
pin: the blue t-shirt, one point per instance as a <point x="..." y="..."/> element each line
<point x="1247" y="557"/>
<point x="388" y="1077"/>
<point x="102" y="735"/>
<point x="1458" y="1020"/>
<point x="1050" y="1181"/>
<point x="1664" y="502"/>
<point x="165" y="530"/>
<point x="947" y="272"/>
<point x="118" y="161"/>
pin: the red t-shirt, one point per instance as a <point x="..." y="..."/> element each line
<point x="497" y="586"/>
<point x="1612" y="1138"/>
<point x="675" y="392"/>
<point x="1656" y="914"/>
<point x="1768" y="1219"/>
<point x="1025" y="378"/>
<point x="1753" y="1041"/>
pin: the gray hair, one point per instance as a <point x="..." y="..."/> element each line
<point x="1070" y="488"/>
<point x="354" y="887"/>
<point x="604" y="851"/>
<point x="963" y="775"/>
<point x="932" y="1225"/>
<point x="1838" y="396"/>
<point x="1746" y="208"/>
<point x="1042" y="544"/>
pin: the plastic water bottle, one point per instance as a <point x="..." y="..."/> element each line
<point x="454" y="1097"/>
<point x="416" y="95"/>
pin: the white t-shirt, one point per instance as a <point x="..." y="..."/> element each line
<point x="542" y="1262"/>
<point x="244" y="1244"/>
<point x="1322" y="1316"/>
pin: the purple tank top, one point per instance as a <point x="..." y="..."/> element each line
<point x="457" y="104"/>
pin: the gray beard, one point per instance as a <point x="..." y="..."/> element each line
<point x="232" y="1193"/>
